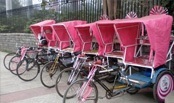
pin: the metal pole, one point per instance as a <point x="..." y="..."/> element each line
<point x="8" y="7"/>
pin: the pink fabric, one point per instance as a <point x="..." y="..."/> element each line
<point x="86" y="35"/>
<point x="62" y="36"/>
<point x="73" y="33"/>
<point x="159" y="37"/>
<point x="158" y="29"/>
<point x="50" y="36"/>
<point x="127" y="35"/>
<point x="98" y="36"/>
<point x="66" y="31"/>
<point x="37" y="28"/>
<point x="106" y="34"/>
<point x="100" y="30"/>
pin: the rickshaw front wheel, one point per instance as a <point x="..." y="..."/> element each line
<point x="132" y="90"/>
<point x="163" y="86"/>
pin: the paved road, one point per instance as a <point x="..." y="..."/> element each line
<point x="14" y="90"/>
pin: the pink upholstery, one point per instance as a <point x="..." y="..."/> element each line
<point x="49" y="34"/>
<point x="85" y="35"/>
<point x="38" y="27"/>
<point x="128" y="34"/>
<point x="62" y="36"/>
<point x="65" y="32"/>
<point x="102" y="31"/>
<point x="98" y="35"/>
<point x="106" y="34"/>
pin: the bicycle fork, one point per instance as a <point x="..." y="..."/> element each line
<point x="86" y="89"/>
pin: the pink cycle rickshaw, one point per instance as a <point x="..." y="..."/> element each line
<point x="68" y="63"/>
<point x="32" y="57"/>
<point x="139" y="68"/>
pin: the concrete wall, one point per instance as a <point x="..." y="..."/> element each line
<point x="9" y="41"/>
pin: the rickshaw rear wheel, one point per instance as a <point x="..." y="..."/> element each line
<point x="163" y="86"/>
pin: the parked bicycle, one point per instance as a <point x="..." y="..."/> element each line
<point x="29" y="68"/>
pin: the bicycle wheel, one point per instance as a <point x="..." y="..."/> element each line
<point x="81" y="91"/>
<point x="30" y="62"/>
<point x="64" y="79"/>
<point x="13" y="64"/>
<point x="49" y="74"/>
<point x="25" y="73"/>
<point x="7" y="59"/>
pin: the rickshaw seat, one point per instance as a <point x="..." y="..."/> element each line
<point x="87" y="38"/>
<point x="116" y="54"/>
<point x="69" y="50"/>
<point x="141" y="61"/>
<point x="92" y="52"/>
<point x="131" y="44"/>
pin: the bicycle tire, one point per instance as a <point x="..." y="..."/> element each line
<point x="7" y="59"/>
<point x="79" y="88"/>
<point x="13" y="63"/>
<point x="49" y="74"/>
<point x="132" y="90"/>
<point x="26" y="73"/>
<point x="64" y="79"/>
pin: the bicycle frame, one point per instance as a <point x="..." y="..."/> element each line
<point x="85" y="85"/>
<point x="78" y="64"/>
<point x="92" y="76"/>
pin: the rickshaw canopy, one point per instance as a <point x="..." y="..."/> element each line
<point x="158" y="29"/>
<point x="104" y="34"/>
<point x="37" y="28"/>
<point x="86" y="36"/>
<point x="65" y="31"/>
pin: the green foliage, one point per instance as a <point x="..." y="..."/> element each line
<point x="20" y="22"/>
<point x="29" y="22"/>
<point x="3" y="28"/>
<point x="43" y="4"/>
<point x="38" y="17"/>
<point x="89" y="10"/>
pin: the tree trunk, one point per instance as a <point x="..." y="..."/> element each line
<point x="105" y="9"/>
<point x="110" y="8"/>
<point x="115" y="8"/>
<point x="110" y="4"/>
